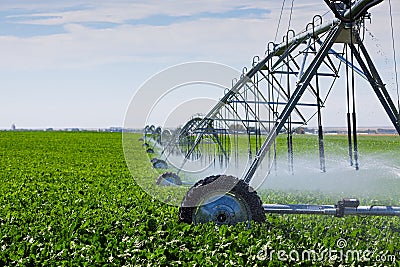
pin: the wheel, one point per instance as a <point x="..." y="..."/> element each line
<point x="168" y="178"/>
<point x="154" y="160"/>
<point x="223" y="200"/>
<point x="160" y="164"/>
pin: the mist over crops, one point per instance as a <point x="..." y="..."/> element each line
<point x="377" y="177"/>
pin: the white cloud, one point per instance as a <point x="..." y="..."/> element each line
<point x="85" y="46"/>
<point x="121" y="11"/>
<point x="228" y="40"/>
<point x="221" y="39"/>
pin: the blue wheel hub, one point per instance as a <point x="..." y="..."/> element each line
<point x="222" y="209"/>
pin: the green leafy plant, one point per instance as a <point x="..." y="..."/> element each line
<point x="68" y="199"/>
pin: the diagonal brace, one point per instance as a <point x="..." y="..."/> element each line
<point x="377" y="85"/>
<point x="302" y="85"/>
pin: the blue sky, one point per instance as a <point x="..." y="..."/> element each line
<point x="78" y="63"/>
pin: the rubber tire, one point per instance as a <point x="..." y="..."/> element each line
<point x="225" y="183"/>
<point x="162" y="177"/>
<point x="160" y="164"/>
<point x="154" y="160"/>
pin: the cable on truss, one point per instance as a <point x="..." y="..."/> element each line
<point x="279" y="22"/>
<point x="394" y="54"/>
<point x="290" y="17"/>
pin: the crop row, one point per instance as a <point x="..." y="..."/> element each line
<point x="68" y="199"/>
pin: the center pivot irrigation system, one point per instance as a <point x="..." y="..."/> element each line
<point x="281" y="92"/>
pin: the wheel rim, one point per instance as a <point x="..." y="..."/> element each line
<point x="222" y="208"/>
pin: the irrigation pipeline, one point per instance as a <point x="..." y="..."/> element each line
<point x="265" y="100"/>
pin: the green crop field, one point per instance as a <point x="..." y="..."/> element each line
<point x="334" y="144"/>
<point x="69" y="199"/>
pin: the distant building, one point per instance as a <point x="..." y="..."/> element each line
<point x="13" y="127"/>
<point x="386" y="131"/>
<point x="253" y="130"/>
<point x="115" y="129"/>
